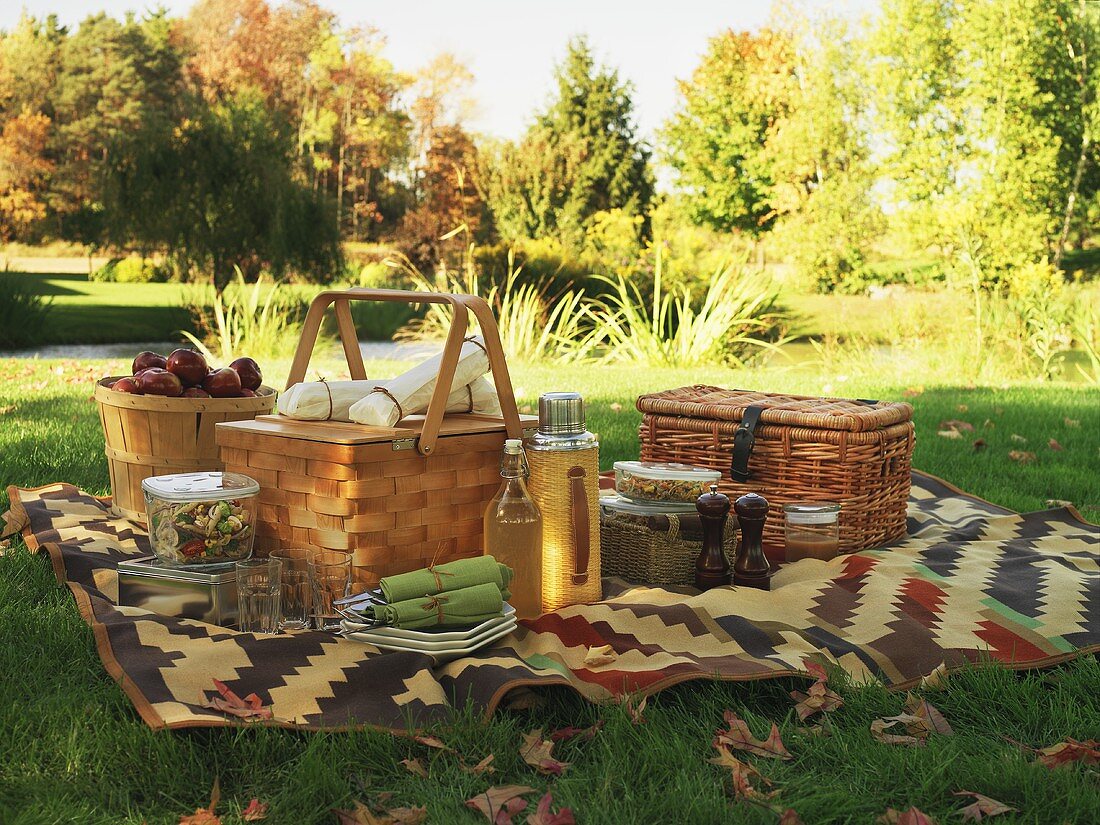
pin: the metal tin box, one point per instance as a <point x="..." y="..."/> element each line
<point x="186" y="592"/>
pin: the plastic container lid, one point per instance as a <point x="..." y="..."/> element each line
<point x="620" y="504"/>
<point x="811" y="512"/>
<point x="200" y="486"/>
<point x="670" y="470"/>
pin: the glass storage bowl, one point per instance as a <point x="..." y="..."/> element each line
<point x="812" y="530"/>
<point x="655" y="481"/>
<point x="201" y="518"/>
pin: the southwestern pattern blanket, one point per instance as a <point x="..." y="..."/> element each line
<point x="970" y="580"/>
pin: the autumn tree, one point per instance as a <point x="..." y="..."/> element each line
<point x="24" y="173"/>
<point x="580" y="157"/>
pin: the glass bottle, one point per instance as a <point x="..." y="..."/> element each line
<point x="513" y="531"/>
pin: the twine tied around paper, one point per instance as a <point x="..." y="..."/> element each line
<point x="470" y="339"/>
<point x="324" y="382"/>
<point x="396" y="403"/>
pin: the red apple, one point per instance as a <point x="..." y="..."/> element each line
<point x="225" y="383"/>
<point x="155" y="381"/>
<point x="147" y="359"/>
<point x="189" y="365"/>
<point x="249" y="371"/>
<point x="246" y="393"/>
<point x="126" y="385"/>
<point x="195" y="392"/>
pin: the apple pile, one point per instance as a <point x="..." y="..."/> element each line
<point x="185" y="374"/>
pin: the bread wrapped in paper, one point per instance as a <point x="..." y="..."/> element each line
<point x="411" y="392"/>
<point x="324" y="400"/>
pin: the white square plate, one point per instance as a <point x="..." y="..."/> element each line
<point x="446" y="654"/>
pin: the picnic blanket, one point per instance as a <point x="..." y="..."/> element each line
<point x="970" y="580"/>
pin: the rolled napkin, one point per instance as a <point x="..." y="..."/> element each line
<point x="467" y="606"/>
<point x="411" y="391"/>
<point x="323" y="400"/>
<point x="441" y="578"/>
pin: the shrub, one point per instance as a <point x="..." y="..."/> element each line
<point x="132" y="270"/>
<point x="23" y="312"/>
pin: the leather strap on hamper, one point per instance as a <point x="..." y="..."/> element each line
<point x="743" y="442"/>
<point x="578" y="493"/>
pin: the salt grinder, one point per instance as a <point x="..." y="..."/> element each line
<point x="752" y="568"/>
<point x="712" y="568"/>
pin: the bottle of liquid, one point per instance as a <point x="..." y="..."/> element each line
<point x="513" y="531"/>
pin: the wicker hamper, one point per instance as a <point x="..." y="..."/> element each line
<point x="657" y="550"/>
<point x="792" y="448"/>
<point x="398" y="498"/>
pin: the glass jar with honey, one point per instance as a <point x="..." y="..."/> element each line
<point x="812" y="530"/>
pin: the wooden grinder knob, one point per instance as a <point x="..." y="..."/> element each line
<point x="752" y="568"/>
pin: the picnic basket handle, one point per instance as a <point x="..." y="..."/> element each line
<point x="456" y="335"/>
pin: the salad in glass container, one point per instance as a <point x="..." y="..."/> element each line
<point x="661" y="481"/>
<point x="200" y="518"/>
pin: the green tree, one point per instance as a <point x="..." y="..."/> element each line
<point x="580" y="157"/>
<point x="716" y="139"/>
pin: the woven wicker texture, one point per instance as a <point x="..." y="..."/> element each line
<point x="149" y="435"/>
<point x="638" y="550"/>
<point x="549" y="486"/>
<point x="867" y="471"/>
<point x="702" y="401"/>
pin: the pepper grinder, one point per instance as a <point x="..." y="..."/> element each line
<point x="752" y="568"/>
<point x="712" y="568"/>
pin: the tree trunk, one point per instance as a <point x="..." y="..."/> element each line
<point x="1071" y="202"/>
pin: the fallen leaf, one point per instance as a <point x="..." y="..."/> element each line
<point x="914" y="816"/>
<point x="415" y="767"/>
<point x="989" y="424"/>
<point x="982" y="806"/>
<point x="523" y="699"/>
<point x="544" y="816"/>
<point x="936" y="680"/>
<point x="206" y="816"/>
<point x="484" y="766"/>
<point x="880" y="727"/>
<point x="1058" y="502"/>
<point x="616" y="407"/>
<point x="1019" y="439"/>
<point x="361" y="815"/>
<point x="565" y="734"/>
<point x="949" y="434"/>
<point x="739" y="737"/>
<point x="537" y="752"/>
<point x="1054" y="445"/>
<point x="814" y="730"/>
<point x="250" y="707"/>
<point x="602" y="655"/>
<point x="790" y="817"/>
<point x="962" y="408"/>
<point x="818" y="699"/>
<point x="742" y="774"/>
<point x="501" y="802"/>
<point x="433" y="742"/>
<point x="1022" y="456"/>
<point x="932" y="720"/>
<point x="958" y="426"/>
<point x="979" y="445"/>
<point x="1071" y="422"/>
<point x="913" y="392"/>
<point x="255" y="811"/>
<point x="408" y="816"/>
<point x="635" y="711"/>
<point x="1070" y="750"/>
<point x="7" y="408"/>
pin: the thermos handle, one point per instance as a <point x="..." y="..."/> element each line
<point x="581" y="538"/>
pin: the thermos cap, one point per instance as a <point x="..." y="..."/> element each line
<point x="561" y="413"/>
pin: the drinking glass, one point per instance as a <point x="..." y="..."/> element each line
<point x="297" y="606"/>
<point x="258" y="595"/>
<point x="330" y="579"/>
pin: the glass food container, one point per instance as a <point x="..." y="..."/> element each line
<point x="200" y="518"/>
<point x="655" y="481"/>
<point x="812" y="530"/>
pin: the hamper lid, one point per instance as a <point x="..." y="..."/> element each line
<point x="200" y="486"/>
<point x="714" y="403"/>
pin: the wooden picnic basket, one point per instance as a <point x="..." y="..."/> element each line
<point x="152" y="435"/>
<point x="790" y="448"/>
<point x="398" y="498"/>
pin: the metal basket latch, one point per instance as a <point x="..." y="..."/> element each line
<point x="743" y="442"/>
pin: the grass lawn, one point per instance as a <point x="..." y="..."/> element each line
<point x="75" y="751"/>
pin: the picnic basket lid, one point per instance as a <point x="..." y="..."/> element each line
<point x="714" y="403"/>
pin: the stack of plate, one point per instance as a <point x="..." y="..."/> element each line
<point x="442" y="644"/>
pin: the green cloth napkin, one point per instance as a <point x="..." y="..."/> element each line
<point x="467" y="606"/>
<point x="443" y="578"/>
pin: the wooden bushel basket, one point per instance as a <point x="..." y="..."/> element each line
<point x="792" y="448"/>
<point x="151" y="435"/>
<point x="396" y="497"/>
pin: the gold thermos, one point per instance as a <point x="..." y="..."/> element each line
<point x="565" y="483"/>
